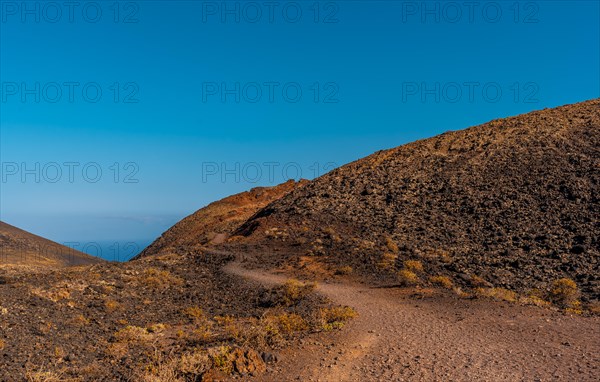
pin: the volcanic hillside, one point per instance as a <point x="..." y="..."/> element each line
<point x="512" y="203"/>
<point x="213" y="223"/>
<point x="18" y="247"/>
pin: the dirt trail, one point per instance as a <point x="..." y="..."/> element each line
<point x="397" y="338"/>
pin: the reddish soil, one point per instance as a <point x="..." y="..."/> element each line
<point x="407" y="335"/>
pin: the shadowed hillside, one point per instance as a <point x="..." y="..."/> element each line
<point x="18" y="247"/>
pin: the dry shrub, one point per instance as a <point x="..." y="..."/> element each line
<point x="316" y="248"/>
<point x="195" y="313"/>
<point x="92" y="372"/>
<point x="112" y="306"/>
<point x="261" y="334"/>
<point x="156" y="328"/>
<point x="564" y="291"/>
<point x="272" y="330"/>
<point x="443" y="256"/>
<point x="192" y="364"/>
<point x="230" y="327"/>
<point x="59" y="352"/>
<point x="336" y="317"/>
<point x="441" y="281"/>
<point x="277" y="233"/>
<point x="534" y="297"/>
<point x="189" y="367"/>
<point x="365" y="244"/>
<point x="574" y="308"/>
<point x="329" y="231"/>
<point x="343" y="271"/>
<point x="162" y="373"/>
<point x="158" y="278"/>
<point x="332" y="234"/>
<point x="116" y="350"/>
<point x="534" y="300"/>
<point x="294" y="291"/>
<point x="497" y="293"/>
<point x="221" y="359"/>
<point x="413" y="266"/>
<point x="477" y="282"/>
<point x="387" y="260"/>
<point x="286" y="323"/>
<point x="391" y="245"/>
<point x="203" y="326"/>
<point x="47" y="376"/>
<point x="203" y="331"/>
<point x="407" y="278"/>
<point x="133" y="334"/>
<point x="52" y="294"/>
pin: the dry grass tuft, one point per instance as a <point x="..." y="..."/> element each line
<point x="221" y="359"/>
<point x="407" y="278"/>
<point x="343" y="271"/>
<point x="477" y="282"/>
<point x="391" y="245"/>
<point x="195" y="313"/>
<point x="294" y="291"/>
<point x="441" y="281"/>
<point x="47" y="376"/>
<point x="190" y="366"/>
<point x="133" y="334"/>
<point x="53" y="294"/>
<point x="230" y="326"/>
<point x="387" y="260"/>
<point x="564" y="291"/>
<point x="497" y="293"/>
<point x="156" y="328"/>
<point x="157" y="278"/>
<point x="286" y="323"/>
<point x="413" y="266"/>
<point x="336" y="317"/>
<point x="112" y="306"/>
<point x="534" y="297"/>
<point x="575" y="308"/>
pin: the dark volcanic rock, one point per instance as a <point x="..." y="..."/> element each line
<point x="516" y="200"/>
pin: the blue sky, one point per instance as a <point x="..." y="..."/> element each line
<point x="118" y="119"/>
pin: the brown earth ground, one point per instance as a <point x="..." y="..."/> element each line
<point x="426" y="335"/>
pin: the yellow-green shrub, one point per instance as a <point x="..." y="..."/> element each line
<point x="336" y="317"/>
<point x="442" y="281"/>
<point x="407" y="278"/>
<point x="413" y="266"/>
<point x="564" y="291"/>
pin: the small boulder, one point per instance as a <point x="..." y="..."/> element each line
<point x="269" y="357"/>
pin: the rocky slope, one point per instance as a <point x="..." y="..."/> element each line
<point x="214" y="223"/>
<point x="18" y="247"/>
<point x="175" y="317"/>
<point x="513" y="203"/>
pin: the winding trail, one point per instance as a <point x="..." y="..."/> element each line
<point x="438" y="338"/>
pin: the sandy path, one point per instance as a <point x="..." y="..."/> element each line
<point x="396" y="338"/>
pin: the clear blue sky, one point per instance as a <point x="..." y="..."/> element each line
<point x="201" y="100"/>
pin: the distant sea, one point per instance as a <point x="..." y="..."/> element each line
<point x="111" y="250"/>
